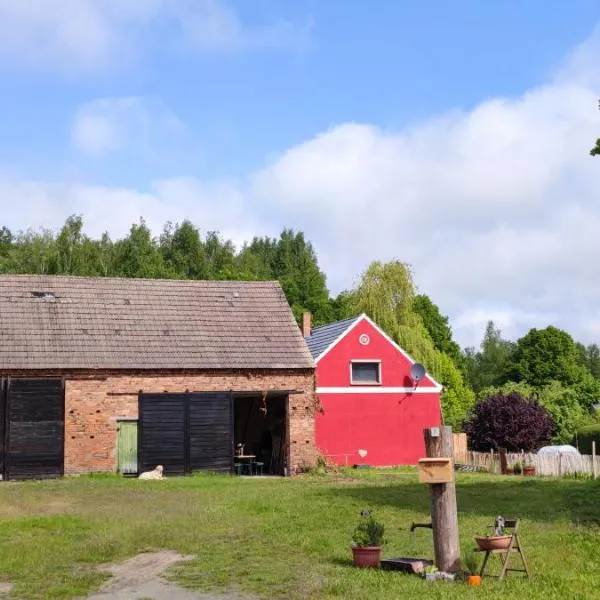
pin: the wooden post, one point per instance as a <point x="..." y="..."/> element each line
<point x="594" y="473"/>
<point x="502" y="453"/>
<point x="560" y="464"/>
<point x="444" y="517"/>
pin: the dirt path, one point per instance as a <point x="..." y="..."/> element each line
<point x="139" y="578"/>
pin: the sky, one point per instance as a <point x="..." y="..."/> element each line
<point x="451" y="136"/>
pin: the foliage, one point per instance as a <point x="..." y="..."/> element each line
<point x="562" y="403"/>
<point x="368" y="531"/>
<point x="488" y="366"/>
<point x="584" y="437"/>
<point x="179" y="252"/>
<point x="471" y="562"/>
<point x="589" y="357"/>
<point x="509" y="421"/>
<point x="386" y="293"/>
<point x="544" y="355"/>
<point x="438" y="328"/>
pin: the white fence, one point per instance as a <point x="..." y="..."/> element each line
<point x="556" y="465"/>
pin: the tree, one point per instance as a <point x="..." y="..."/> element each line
<point x="509" y="421"/>
<point x="562" y="403"/>
<point x="489" y="366"/>
<point x="589" y="357"/>
<point x="137" y="255"/>
<point x="183" y="252"/>
<point x="439" y="329"/>
<point x="545" y="355"/>
<point x="386" y="293"/>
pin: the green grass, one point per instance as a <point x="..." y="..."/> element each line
<point x="289" y="538"/>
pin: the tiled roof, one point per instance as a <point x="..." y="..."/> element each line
<point x="52" y="322"/>
<point x="322" y="337"/>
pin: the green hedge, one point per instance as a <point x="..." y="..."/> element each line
<point x="584" y="437"/>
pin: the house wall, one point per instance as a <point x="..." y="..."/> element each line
<point x="333" y="369"/>
<point x="388" y="426"/>
<point x="95" y="400"/>
<point x="386" y="420"/>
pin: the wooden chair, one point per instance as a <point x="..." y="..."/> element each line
<point x="505" y="553"/>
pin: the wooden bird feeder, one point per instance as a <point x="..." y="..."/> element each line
<point x="436" y="470"/>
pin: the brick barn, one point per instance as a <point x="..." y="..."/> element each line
<point x="373" y="413"/>
<point x="108" y="374"/>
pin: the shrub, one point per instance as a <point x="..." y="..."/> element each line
<point x="508" y="421"/>
<point x="584" y="437"/>
<point x="368" y="532"/>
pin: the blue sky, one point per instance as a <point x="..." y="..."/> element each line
<point x="450" y="135"/>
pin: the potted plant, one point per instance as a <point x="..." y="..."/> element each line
<point x="471" y="567"/>
<point x="529" y="470"/>
<point x="367" y="541"/>
<point x="518" y="468"/>
<point x="498" y="541"/>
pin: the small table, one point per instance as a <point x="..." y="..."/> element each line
<point x="246" y="461"/>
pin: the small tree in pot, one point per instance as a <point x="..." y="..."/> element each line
<point x="367" y="541"/>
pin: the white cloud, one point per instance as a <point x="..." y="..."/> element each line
<point x="110" y="124"/>
<point x="495" y="208"/>
<point x="97" y="34"/>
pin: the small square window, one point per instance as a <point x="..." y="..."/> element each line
<point x="365" y="372"/>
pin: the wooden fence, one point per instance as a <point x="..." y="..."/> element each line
<point x="557" y="465"/>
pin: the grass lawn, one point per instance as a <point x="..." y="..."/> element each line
<point x="289" y="538"/>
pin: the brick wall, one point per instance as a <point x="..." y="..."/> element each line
<point x="94" y="401"/>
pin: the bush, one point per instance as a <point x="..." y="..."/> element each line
<point x="584" y="437"/>
<point x="368" y="532"/>
<point x="509" y="421"/>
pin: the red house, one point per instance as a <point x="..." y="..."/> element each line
<point x="374" y="412"/>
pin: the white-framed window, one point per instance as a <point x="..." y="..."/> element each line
<point x="365" y="372"/>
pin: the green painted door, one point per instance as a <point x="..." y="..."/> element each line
<point x="127" y="445"/>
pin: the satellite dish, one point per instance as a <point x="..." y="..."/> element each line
<point x="417" y="372"/>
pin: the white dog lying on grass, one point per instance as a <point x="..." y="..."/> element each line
<point x="156" y="473"/>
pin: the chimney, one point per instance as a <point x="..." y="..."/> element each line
<point x="306" y="325"/>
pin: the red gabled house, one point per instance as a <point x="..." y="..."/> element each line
<point x="374" y="413"/>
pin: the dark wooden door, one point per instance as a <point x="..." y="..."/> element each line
<point x="33" y="428"/>
<point x="211" y="432"/>
<point x="186" y="432"/>
<point x="162" y="433"/>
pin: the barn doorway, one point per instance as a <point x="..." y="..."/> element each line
<point x="32" y="422"/>
<point x="260" y="429"/>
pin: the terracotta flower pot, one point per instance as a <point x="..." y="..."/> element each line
<point x="366" y="556"/>
<point x="529" y="471"/>
<point x="493" y="542"/>
<point x="473" y="580"/>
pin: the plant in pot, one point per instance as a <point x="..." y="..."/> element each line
<point x="529" y="469"/>
<point x="471" y="566"/>
<point x="367" y="541"/>
<point x="497" y="541"/>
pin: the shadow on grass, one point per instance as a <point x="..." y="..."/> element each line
<point x="544" y="500"/>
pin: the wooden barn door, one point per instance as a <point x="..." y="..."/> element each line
<point x="33" y="419"/>
<point x="162" y="433"/>
<point x="186" y="432"/>
<point x="211" y="432"/>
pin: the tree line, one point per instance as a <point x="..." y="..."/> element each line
<point x="547" y="365"/>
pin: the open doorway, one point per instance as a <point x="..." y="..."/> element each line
<point x="260" y="426"/>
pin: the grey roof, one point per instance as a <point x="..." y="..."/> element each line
<point x="52" y="322"/>
<point x="322" y="337"/>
